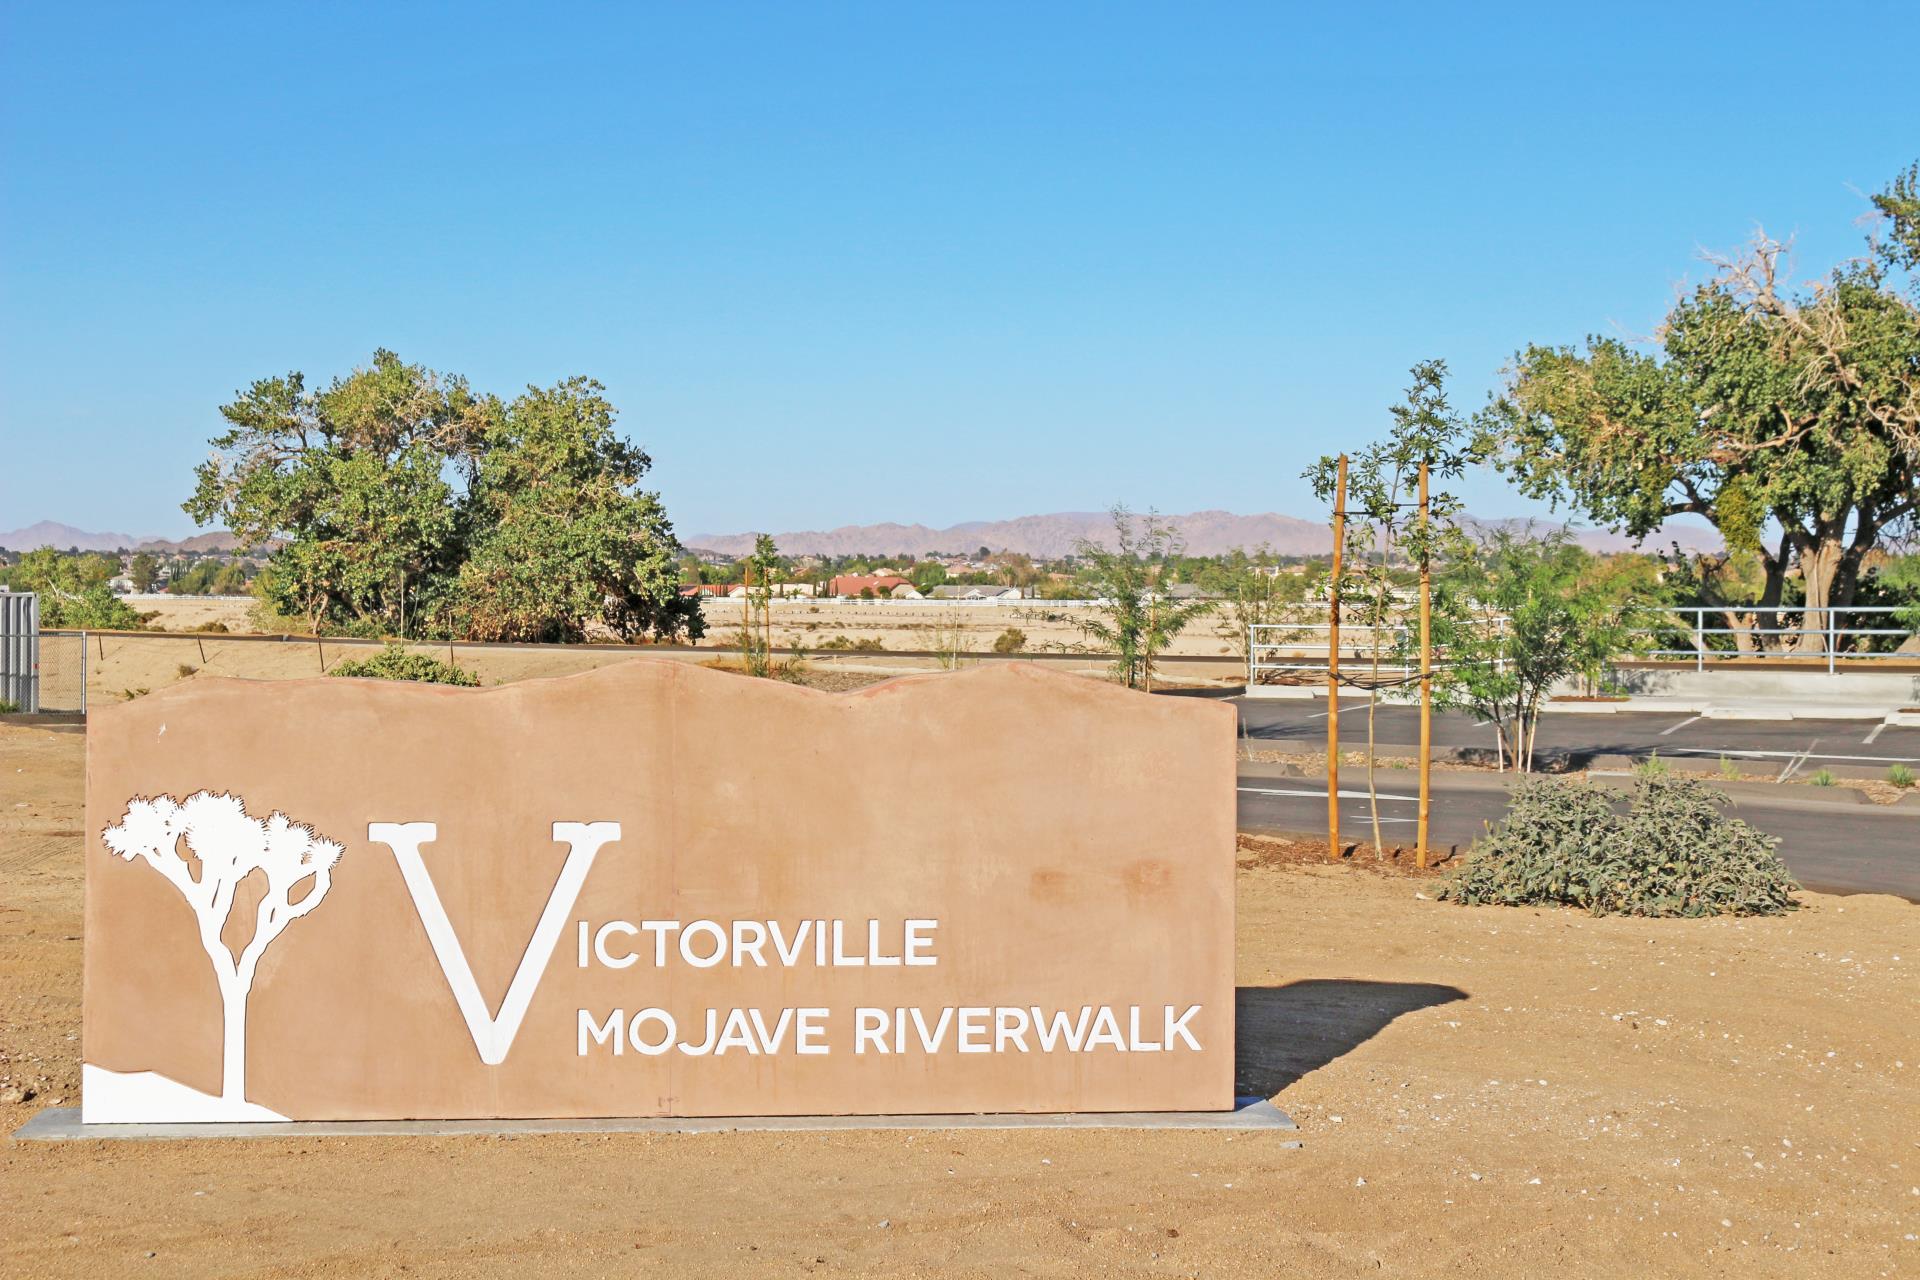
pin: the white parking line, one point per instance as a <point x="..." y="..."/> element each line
<point x="1683" y="724"/>
<point x="1353" y="706"/>
<point x="1790" y="755"/>
<point x="1873" y="733"/>
<point x="1349" y="795"/>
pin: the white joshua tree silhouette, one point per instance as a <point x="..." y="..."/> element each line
<point x="223" y="846"/>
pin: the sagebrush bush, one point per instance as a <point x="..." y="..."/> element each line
<point x="865" y="644"/>
<point x="396" y="662"/>
<point x="1674" y="852"/>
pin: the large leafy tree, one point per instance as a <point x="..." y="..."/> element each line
<point x="75" y="590"/>
<point x="1788" y="416"/>
<point x="559" y="533"/>
<point x="403" y="503"/>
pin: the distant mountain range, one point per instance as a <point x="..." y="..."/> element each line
<point x="64" y="537"/>
<point x="1045" y="537"/>
<point x="1206" y="533"/>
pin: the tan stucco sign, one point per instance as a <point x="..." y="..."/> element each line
<point x="655" y="889"/>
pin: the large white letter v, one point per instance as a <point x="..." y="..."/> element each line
<point x="493" y="1036"/>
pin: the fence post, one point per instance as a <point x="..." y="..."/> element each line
<point x="1833" y="640"/>
<point x="1699" y="639"/>
<point x="83" y="675"/>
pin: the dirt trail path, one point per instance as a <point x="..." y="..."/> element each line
<point x="1480" y="1092"/>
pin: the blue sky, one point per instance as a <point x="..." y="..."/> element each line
<point x="842" y="264"/>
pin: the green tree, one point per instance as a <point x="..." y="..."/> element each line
<point x="405" y="504"/>
<point x="1789" y="418"/>
<point x="1385" y="536"/>
<point x="927" y="575"/>
<point x="1253" y="591"/>
<point x="1899" y="205"/>
<point x="229" y="580"/>
<point x="73" y="590"/>
<point x="756" y="621"/>
<point x="1513" y="617"/>
<point x="1896" y="584"/>
<point x="558" y="533"/>
<point x="143" y="570"/>
<point x="1136" y="621"/>
<point x="352" y="479"/>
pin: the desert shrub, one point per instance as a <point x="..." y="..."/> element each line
<point x="212" y="628"/>
<point x="1822" y="777"/>
<point x="865" y="644"/>
<point x="396" y="662"/>
<point x="8" y="708"/>
<point x="1012" y="640"/>
<point x="185" y="669"/>
<point x="1673" y="853"/>
<point x="1900" y="776"/>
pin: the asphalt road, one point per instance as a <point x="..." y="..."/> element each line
<point x="1847" y="746"/>
<point x="1830" y="843"/>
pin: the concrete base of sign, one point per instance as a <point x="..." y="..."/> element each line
<point x="58" y="1124"/>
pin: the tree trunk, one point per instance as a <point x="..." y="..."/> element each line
<point x="1830" y="574"/>
<point x="1749" y="624"/>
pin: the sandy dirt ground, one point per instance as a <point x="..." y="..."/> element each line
<point x="125" y="666"/>
<point x="1049" y="627"/>
<point x="1480" y="1091"/>
<point x="186" y="613"/>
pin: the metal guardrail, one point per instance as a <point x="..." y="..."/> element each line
<point x="1837" y="641"/>
<point x="1283" y="647"/>
<point x="1278" y="648"/>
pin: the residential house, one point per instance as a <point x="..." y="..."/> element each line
<point x="872" y="586"/>
<point x="975" y="591"/>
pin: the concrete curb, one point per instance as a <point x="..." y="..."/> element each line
<point x="1614" y="771"/>
<point x="62" y="1124"/>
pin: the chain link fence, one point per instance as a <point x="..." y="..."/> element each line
<point x="63" y="673"/>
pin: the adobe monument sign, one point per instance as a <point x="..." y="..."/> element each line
<point x="657" y="890"/>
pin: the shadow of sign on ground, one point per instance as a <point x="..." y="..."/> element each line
<point x="1284" y="1032"/>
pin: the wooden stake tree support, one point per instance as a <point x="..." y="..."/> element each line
<point x="1389" y="479"/>
<point x="1333" y="667"/>
<point x="1426" y="675"/>
<point x="1333" y="664"/>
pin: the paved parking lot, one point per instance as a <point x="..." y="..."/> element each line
<point x="1832" y="840"/>
<point x="1859" y="745"/>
